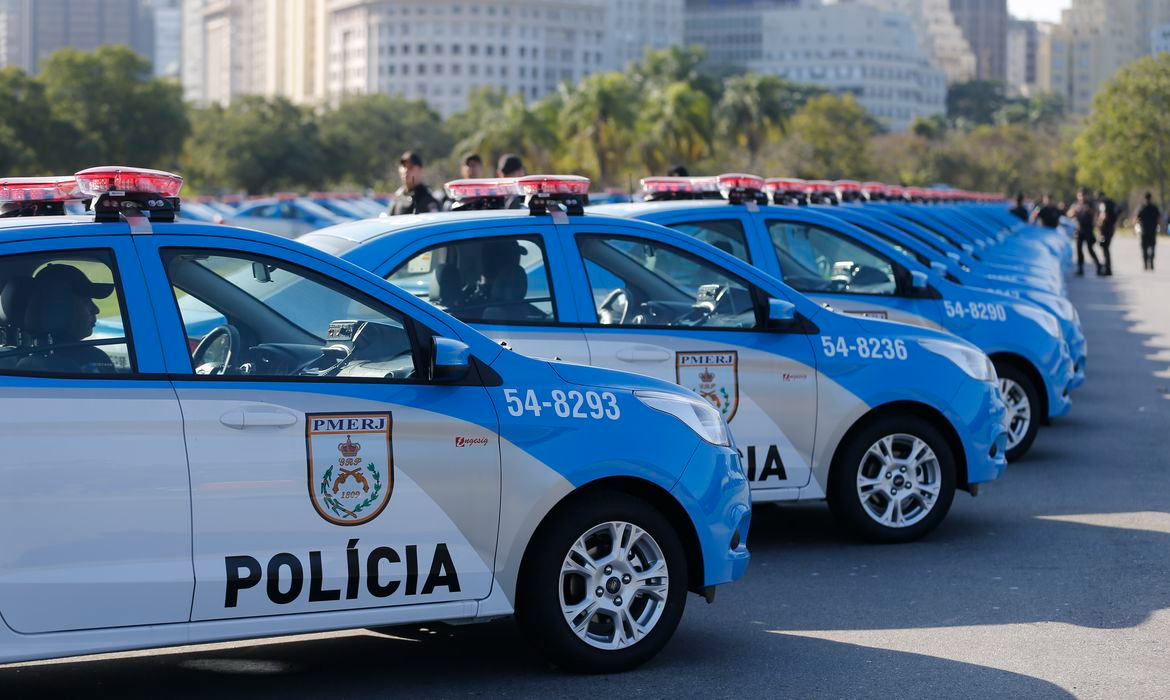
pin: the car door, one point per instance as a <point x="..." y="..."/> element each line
<point x="502" y="281"/>
<point x="327" y="472"/>
<point x="95" y="521"/>
<point x="666" y="312"/>
<point x="833" y="268"/>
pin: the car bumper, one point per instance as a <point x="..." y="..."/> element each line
<point x="980" y="418"/>
<point x="716" y="494"/>
<point x="1059" y="383"/>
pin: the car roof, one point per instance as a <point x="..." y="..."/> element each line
<point x="634" y="209"/>
<point x="367" y="230"/>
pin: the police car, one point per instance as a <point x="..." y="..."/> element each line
<point x="839" y="264"/>
<point x="884" y="420"/>
<point x="287" y="215"/>
<point x="330" y="452"/>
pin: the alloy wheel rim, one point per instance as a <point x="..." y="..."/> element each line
<point x="614" y="584"/>
<point x="899" y="480"/>
<point x="1019" y="411"/>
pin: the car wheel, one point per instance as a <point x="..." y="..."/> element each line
<point x="1022" y="399"/>
<point x="893" y="480"/>
<point x="604" y="584"/>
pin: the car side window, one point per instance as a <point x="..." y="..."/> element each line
<point x="813" y="259"/>
<point x="635" y="282"/>
<point x="726" y="235"/>
<point x="248" y="315"/>
<point x="62" y="313"/>
<point x="483" y="280"/>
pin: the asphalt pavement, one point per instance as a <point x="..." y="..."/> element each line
<point x="1052" y="583"/>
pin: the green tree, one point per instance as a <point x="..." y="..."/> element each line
<point x="598" y="119"/>
<point x="754" y="109"/>
<point x="32" y="141"/>
<point x="362" y="138"/>
<point x="676" y="126"/>
<point x="1126" y="143"/>
<point x="121" y="114"/>
<point x="830" y="137"/>
<point x="974" y="102"/>
<point x="506" y="124"/>
<point x="256" y="145"/>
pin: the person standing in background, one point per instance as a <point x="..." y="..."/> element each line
<point x="470" y="167"/>
<point x="1085" y="214"/>
<point x="1107" y="215"/>
<point x="1149" y="219"/>
<point x="1020" y="211"/>
<point x="1048" y="214"/>
<point x="510" y="165"/>
<point x="414" y="197"/>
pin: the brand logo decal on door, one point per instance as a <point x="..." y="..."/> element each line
<point x="712" y="375"/>
<point x="351" y="465"/>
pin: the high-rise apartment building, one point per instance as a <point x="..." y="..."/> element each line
<point x="853" y="48"/>
<point x="634" y="26"/>
<point x="31" y="30"/>
<point x="442" y="51"/>
<point x="167" y="24"/>
<point x="985" y="26"/>
<point x="1020" y="63"/>
<point x="940" y="33"/>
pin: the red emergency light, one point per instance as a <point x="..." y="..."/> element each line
<point x="39" y="189"/>
<point x="668" y="185"/>
<point x="104" y="179"/>
<point x="553" y="185"/>
<point x="848" y="186"/>
<point x="785" y="184"/>
<point x="740" y="181"/>
<point x="471" y="188"/>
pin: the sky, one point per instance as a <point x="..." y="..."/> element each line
<point x="1047" y="10"/>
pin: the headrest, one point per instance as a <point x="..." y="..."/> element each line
<point x="511" y="284"/>
<point x="14" y="299"/>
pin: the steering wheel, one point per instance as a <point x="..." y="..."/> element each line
<point x="234" y="350"/>
<point x="605" y="310"/>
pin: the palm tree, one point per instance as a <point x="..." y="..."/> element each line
<point x="755" y="108"/>
<point x="598" y="119"/>
<point x="677" y="126"/>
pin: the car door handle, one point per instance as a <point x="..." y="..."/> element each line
<point x="258" y="418"/>
<point x="643" y="353"/>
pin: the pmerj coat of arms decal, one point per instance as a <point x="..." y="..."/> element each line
<point x="714" y="375"/>
<point x="351" y="465"/>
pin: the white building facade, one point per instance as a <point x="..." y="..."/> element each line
<point x="873" y="54"/>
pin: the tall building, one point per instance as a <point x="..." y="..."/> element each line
<point x="1020" y="65"/>
<point x="940" y="33"/>
<point x="985" y="25"/>
<point x="1160" y="39"/>
<point x="31" y="30"/>
<point x="442" y="51"/>
<point x="634" y="26"/>
<point x="166" y="30"/>
<point x="253" y="47"/>
<point x="1095" y="39"/>
<point x="873" y="54"/>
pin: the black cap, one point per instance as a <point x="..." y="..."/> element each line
<point x="410" y="158"/>
<point x="509" y="163"/>
<point x="469" y="158"/>
<point x="69" y="276"/>
<point x="677" y="171"/>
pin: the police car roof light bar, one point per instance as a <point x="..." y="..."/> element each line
<point x="664" y="184"/>
<point x="551" y="193"/>
<point x="471" y="188"/>
<point x="136" y="194"/>
<point x="742" y="188"/>
<point x="39" y="189"/>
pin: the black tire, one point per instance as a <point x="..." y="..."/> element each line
<point x="850" y="461"/>
<point x="1011" y="372"/>
<point x="538" y="595"/>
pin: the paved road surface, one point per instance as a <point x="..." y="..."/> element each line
<point x="1056" y="582"/>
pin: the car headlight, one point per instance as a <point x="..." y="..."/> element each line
<point x="971" y="360"/>
<point x="698" y="415"/>
<point x="1044" y="319"/>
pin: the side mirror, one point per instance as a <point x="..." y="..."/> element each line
<point x="781" y="311"/>
<point x="938" y="267"/>
<point x="450" y="360"/>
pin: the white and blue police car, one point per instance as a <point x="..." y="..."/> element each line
<point x="837" y="263"/>
<point x="193" y="458"/>
<point x="885" y="420"/>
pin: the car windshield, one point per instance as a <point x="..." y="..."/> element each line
<point x="641" y="282"/>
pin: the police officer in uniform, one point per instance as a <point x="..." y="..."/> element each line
<point x="470" y="167"/>
<point x="414" y="197"/>
<point x="1020" y="211"/>
<point x="1108" y="213"/>
<point x="1047" y="214"/>
<point x="1149" y="218"/>
<point x="1085" y="214"/>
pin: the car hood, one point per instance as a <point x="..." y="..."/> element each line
<point x="584" y="375"/>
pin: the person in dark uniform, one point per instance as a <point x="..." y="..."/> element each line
<point x="510" y="165"/>
<point x="1020" y="211"/>
<point x="678" y="171"/>
<point x="1149" y="219"/>
<point x="1107" y="214"/>
<point x="1085" y="214"/>
<point x="414" y="197"/>
<point x="470" y="167"/>
<point x="1047" y="214"/>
